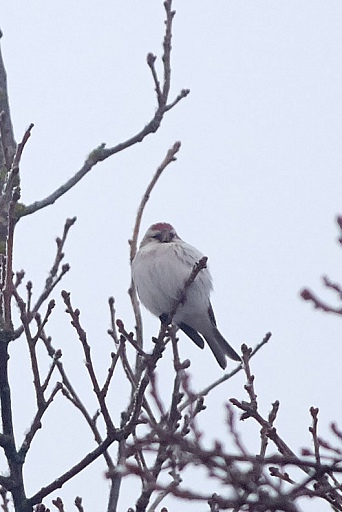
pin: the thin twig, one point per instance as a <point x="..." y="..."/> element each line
<point x="12" y="178"/>
<point x="75" y="321"/>
<point x="59" y="255"/>
<point x="133" y="379"/>
<point x="110" y="373"/>
<point x="5" y="500"/>
<point x="150" y="59"/>
<point x="8" y="289"/>
<point x="169" y="158"/>
<point x="21" y="146"/>
<point x="313" y="430"/>
<point x="78" y="504"/>
<point x="32" y="350"/>
<point x="80" y="466"/>
<point x="308" y="295"/>
<point x="59" y="504"/>
<point x="70" y="393"/>
<point x="51" y="282"/>
<point x="36" y="424"/>
<point x="113" y="331"/>
<point x="129" y="336"/>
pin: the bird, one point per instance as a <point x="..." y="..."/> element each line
<point x="160" y="269"/>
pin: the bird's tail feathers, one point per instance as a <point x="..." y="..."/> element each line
<point x="224" y="345"/>
<point x="217" y="351"/>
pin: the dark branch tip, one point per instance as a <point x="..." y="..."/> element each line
<point x="306" y="294"/>
<point x="120" y="324"/>
<point x="150" y="59"/>
<point x="314" y="411"/>
<point x="70" y="222"/>
<point x="58" y="354"/>
<point x="65" y="294"/>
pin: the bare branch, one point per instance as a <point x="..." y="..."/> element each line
<point x="102" y="153"/>
<point x="78" y="504"/>
<point x="5" y="500"/>
<point x="59" y="255"/>
<point x="51" y="282"/>
<point x="308" y="295"/>
<point x="20" y="147"/>
<point x="68" y="475"/>
<point x="8" y="289"/>
<point x="75" y="322"/>
<point x="313" y="430"/>
<point x="36" y="424"/>
<point x="59" y="504"/>
<point x="169" y="158"/>
<point x="129" y="336"/>
<point x="113" y="332"/>
<point x="115" y="358"/>
<point x="150" y="59"/>
<point x="251" y="409"/>
<point x="8" y="144"/>
<point x="70" y="393"/>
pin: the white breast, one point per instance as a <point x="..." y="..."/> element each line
<point x="160" y="271"/>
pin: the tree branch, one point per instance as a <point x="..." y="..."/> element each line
<point x="101" y="153"/>
<point x="51" y="282"/>
<point x="227" y="376"/>
<point x="75" y="321"/>
<point x="36" y="424"/>
<point x="8" y="144"/>
<point x="82" y="464"/>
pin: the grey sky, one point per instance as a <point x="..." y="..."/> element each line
<point x="256" y="187"/>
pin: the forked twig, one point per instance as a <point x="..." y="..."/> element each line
<point x="75" y="321"/>
<point x="101" y="153"/>
<point x="56" y="274"/>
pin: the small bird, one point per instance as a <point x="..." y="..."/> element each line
<point x="160" y="270"/>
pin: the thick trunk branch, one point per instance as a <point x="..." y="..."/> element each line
<point x="8" y="144"/>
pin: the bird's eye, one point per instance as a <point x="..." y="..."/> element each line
<point x="164" y="236"/>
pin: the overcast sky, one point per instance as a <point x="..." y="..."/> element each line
<point x="256" y="187"/>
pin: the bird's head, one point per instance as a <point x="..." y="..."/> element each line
<point x="162" y="232"/>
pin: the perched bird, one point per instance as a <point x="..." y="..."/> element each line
<point x="160" y="270"/>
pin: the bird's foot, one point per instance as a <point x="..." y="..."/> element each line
<point x="165" y="318"/>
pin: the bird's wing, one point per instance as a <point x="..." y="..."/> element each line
<point x="211" y="314"/>
<point x="189" y="331"/>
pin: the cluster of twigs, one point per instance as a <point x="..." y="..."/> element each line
<point x="174" y="442"/>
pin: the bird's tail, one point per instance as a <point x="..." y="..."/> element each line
<point x="221" y="348"/>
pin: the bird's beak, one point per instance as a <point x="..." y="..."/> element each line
<point x="166" y="236"/>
